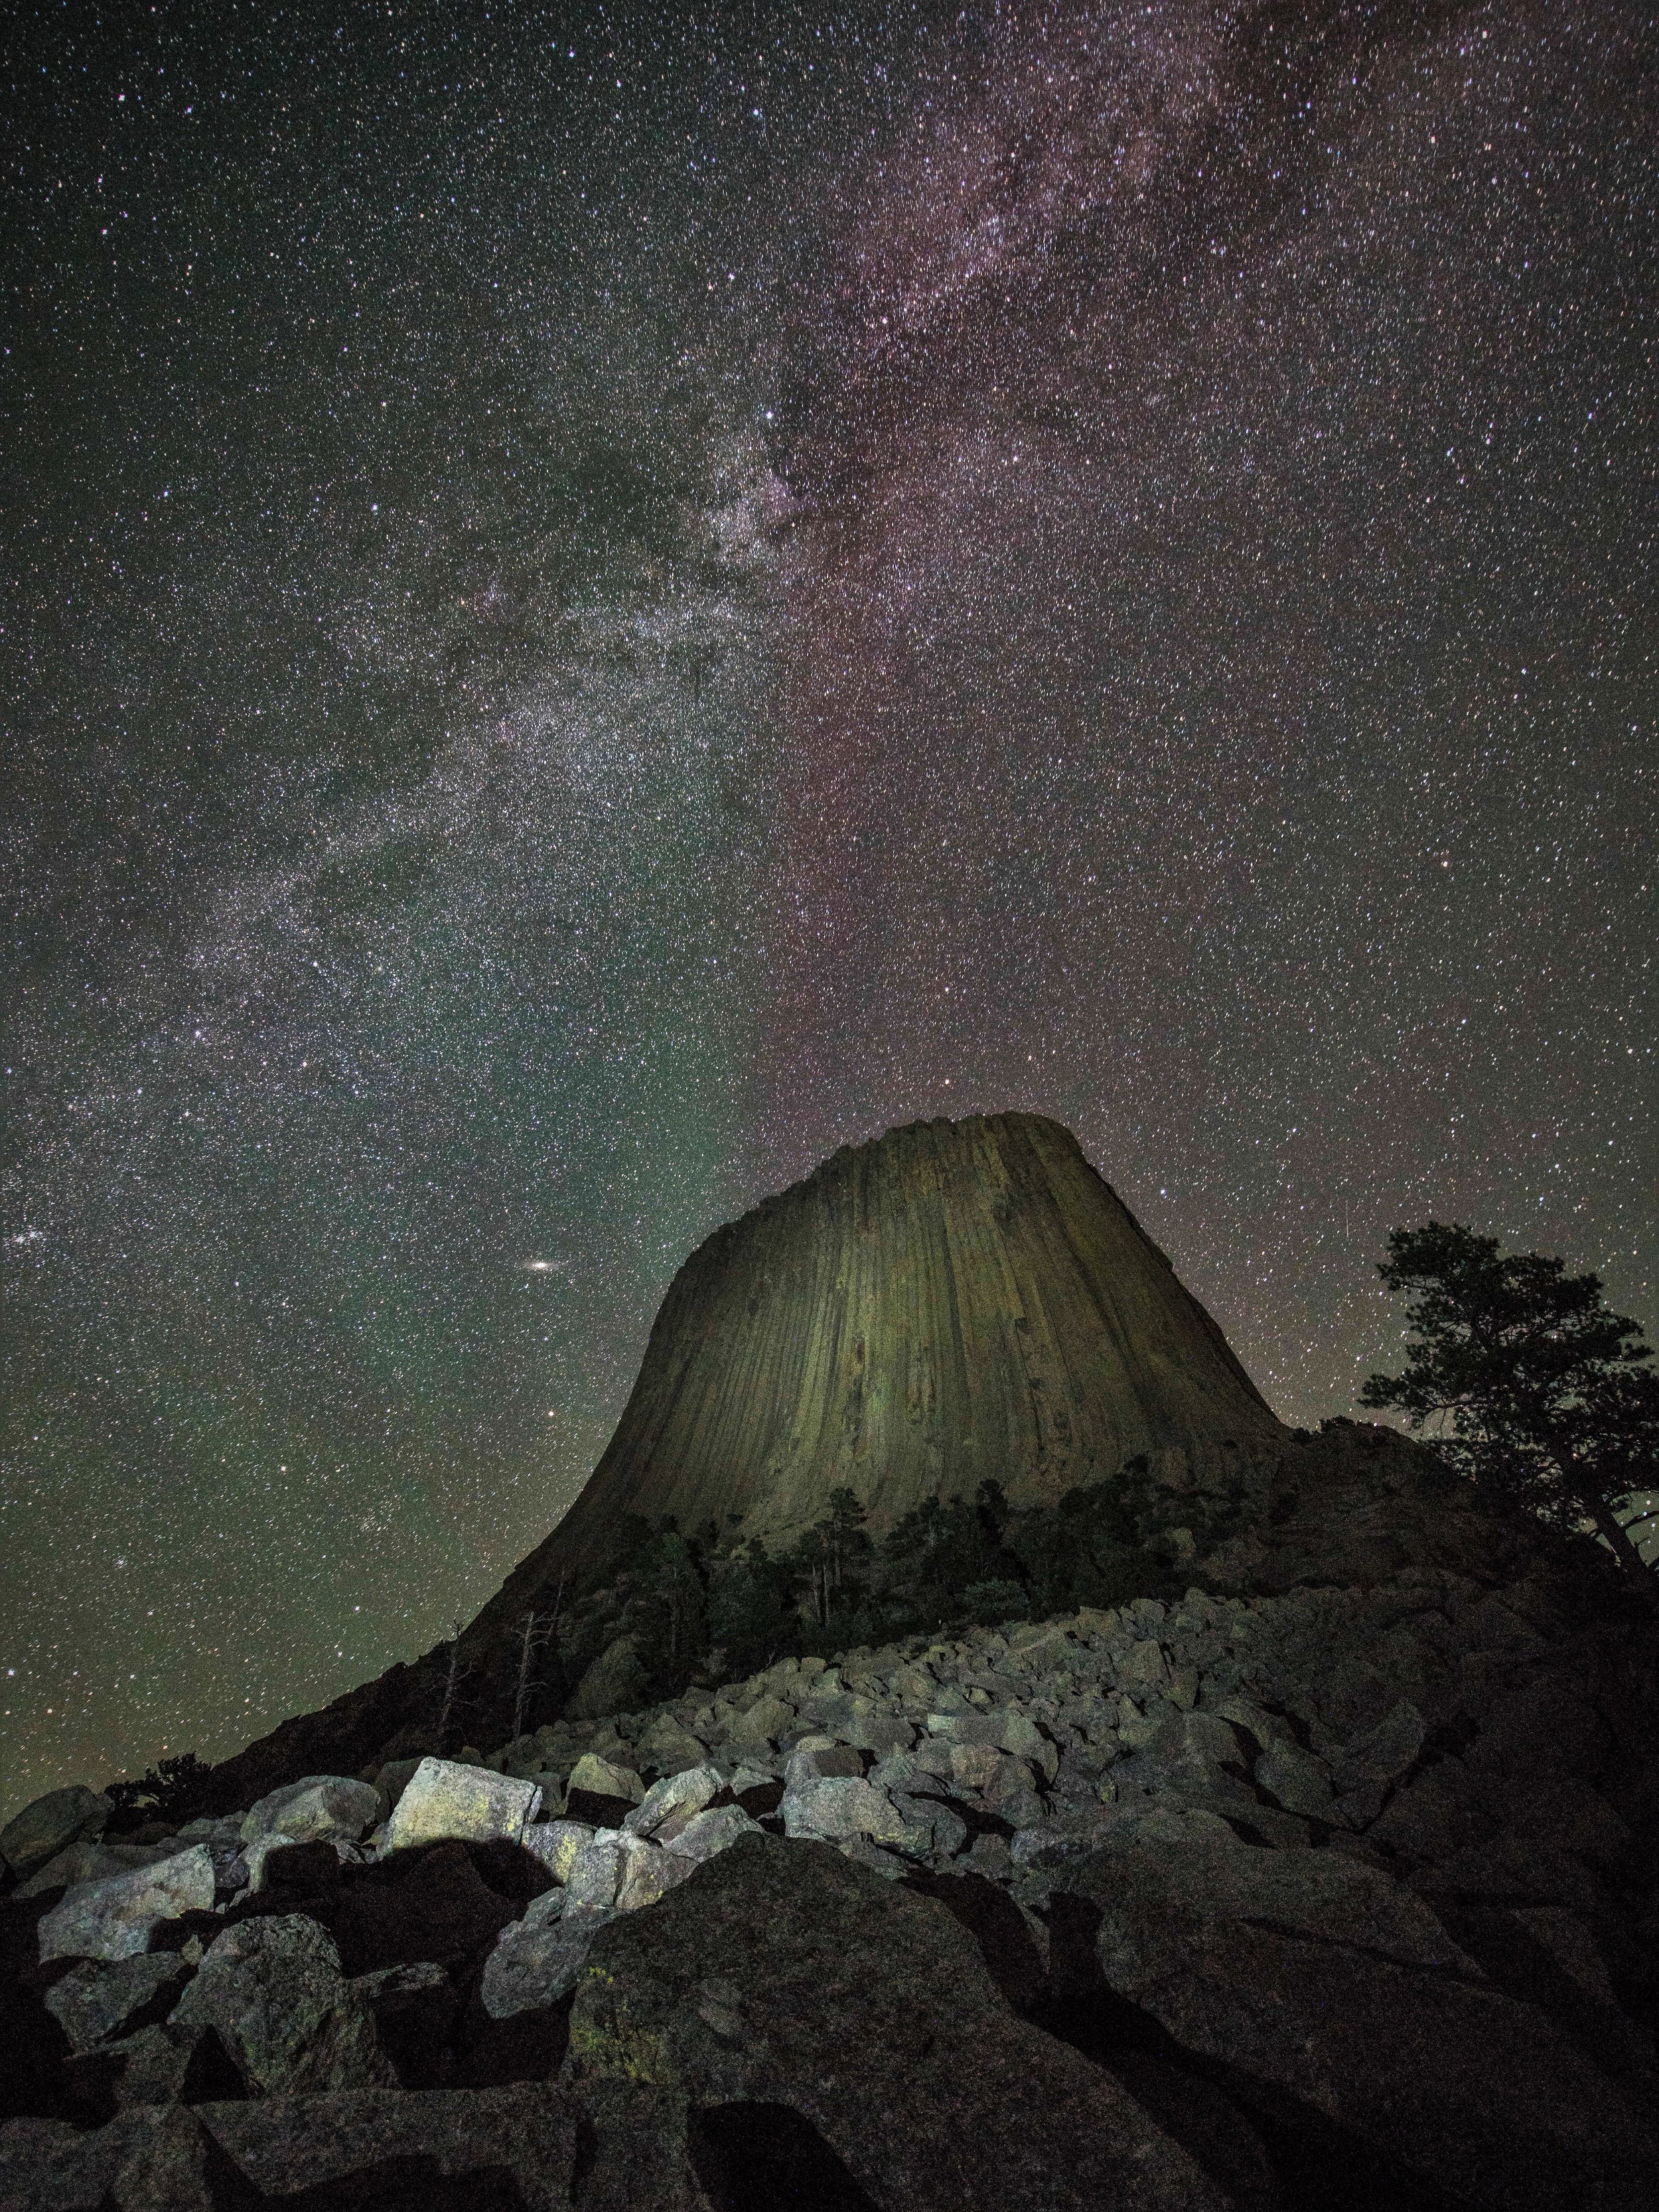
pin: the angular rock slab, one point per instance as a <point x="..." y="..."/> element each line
<point x="603" y="1777"/>
<point x="379" y="2142"/>
<point x="113" y="1920"/>
<point x="537" y="1961"/>
<point x="444" y="1801"/>
<point x="105" y="1997"/>
<point x="149" y="2160"/>
<point x="669" y="1804"/>
<point x="272" y="1991"/>
<point x="781" y="1974"/>
<point x="840" y="1805"/>
<point x="1317" y="1977"/>
<point x="525" y="2131"/>
<point x="47" y="1826"/>
<point x="320" y="1805"/>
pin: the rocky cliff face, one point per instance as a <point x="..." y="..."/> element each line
<point x="958" y="1301"/>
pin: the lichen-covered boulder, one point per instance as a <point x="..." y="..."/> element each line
<point x="114" y="1918"/>
<point x="536" y="1961"/>
<point x="781" y="1975"/>
<point x="319" y="1805"/>
<point x="443" y="1800"/>
<point x="1316" y="1978"/>
<point x="272" y="1991"/>
<point x="844" y="1806"/>
<point x="669" y="1804"/>
<point x="43" y="1829"/>
<point x="101" y="1998"/>
<point x="603" y="1777"/>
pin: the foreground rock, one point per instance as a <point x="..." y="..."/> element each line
<point x="493" y="2147"/>
<point x="1313" y="1977"/>
<point x="47" y="1826"/>
<point x="272" y="1991"/>
<point x="784" y="1976"/>
<point x="102" y="1999"/>
<point x="443" y="1801"/>
<point x="114" y="1918"/>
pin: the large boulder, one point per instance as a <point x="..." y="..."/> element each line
<point x="43" y="1829"/>
<point x="86" y="1859"/>
<point x="101" y="1998"/>
<point x="114" y="1918"/>
<point x="783" y="1975"/>
<point x="837" y="1806"/>
<point x="151" y="2159"/>
<point x="536" y="1961"/>
<point x="1316" y="1980"/>
<point x="603" y="1777"/>
<point x="319" y="1805"/>
<point x="669" y="1804"/>
<point x="271" y="1990"/>
<point x="513" y="2145"/>
<point x="443" y="1800"/>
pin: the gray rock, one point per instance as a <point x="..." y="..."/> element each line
<point x="764" y="1723"/>
<point x="443" y="1799"/>
<point x="616" y="1868"/>
<point x="669" y="1804"/>
<point x="150" y="2158"/>
<point x="881" y="1733"/>
<point x="946" y="1832"/>
<point x="43" y="1829"/>
<point x="637" y="2157"/>
<point x="113" y="1918"/>
<point x="159" y="2063"/>
<point x="318" y="2147"/>
<point x="321" y="1805"/>
<point x="1384" y="1752"/>
<point x="394" y="1778"/>
<point x="708" y="1832"/>
<point x="88" y="1860"/>
<point x="101" y="1998"/>
<point x="1298" y="1780"/>
<point x="604" y="1779"/>
<point x="817" y="1758"/>
<point x="271" y="1990"/>
<point x="537" y="1959"/>
<point x="897" y="1770"/>
<point x="1196" y="1756"/>
<point x="785" y="1975"/>
<point x="667" y="1748"/>
<point x="556" y="1843"/>
<point x="841" y="1806"/>
<point x="1314" y="1975"/>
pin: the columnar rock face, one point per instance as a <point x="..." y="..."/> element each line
<point x="958" y="1301"/>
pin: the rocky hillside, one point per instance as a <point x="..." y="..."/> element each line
<point x="1341" y="1896"/>
<point x="956" y="1304"/>
<point x="1303" y="1861"/>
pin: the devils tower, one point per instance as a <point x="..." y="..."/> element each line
<point x="954" y="1302"/>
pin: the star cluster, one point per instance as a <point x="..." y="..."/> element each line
<point x="600" y="601"/>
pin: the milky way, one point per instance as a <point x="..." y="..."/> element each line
<point x="599" y="603"/>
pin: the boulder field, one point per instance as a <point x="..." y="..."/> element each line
<point x="1341" y="1897"/>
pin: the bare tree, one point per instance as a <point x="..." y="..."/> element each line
<point x="454" y="1674"/>
<point x="538" y="1630"/>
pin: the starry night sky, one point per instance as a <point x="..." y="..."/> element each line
<point x="598" y="602"/>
